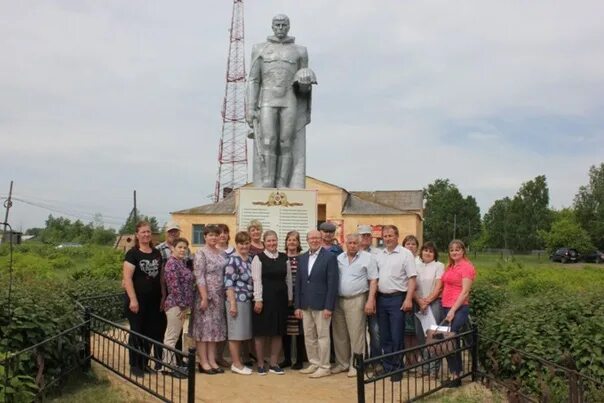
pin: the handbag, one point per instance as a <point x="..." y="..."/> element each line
<point x="440" y="340"/>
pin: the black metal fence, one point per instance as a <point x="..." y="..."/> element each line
<point x="116" y="347"/>
<point x="416" y="372"/>
<point x="33" y="373"/>
<point x="525" y="377"/>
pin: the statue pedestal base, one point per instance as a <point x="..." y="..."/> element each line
<point x="281" y="210"/>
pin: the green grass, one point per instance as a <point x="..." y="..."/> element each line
<point x="527" y="275"/>
<point x="90" y="388"/>
<point x="34" y="259"/>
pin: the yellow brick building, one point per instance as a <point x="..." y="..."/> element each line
<point x="346" y="209"/>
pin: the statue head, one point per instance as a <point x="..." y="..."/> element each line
<point x="280" y="25"/>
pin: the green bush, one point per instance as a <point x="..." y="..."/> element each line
<point x="565" y="329"/>
<point x="40" y="309"/>
<point x="550" y="311"/>
<point x="15" y="388"/>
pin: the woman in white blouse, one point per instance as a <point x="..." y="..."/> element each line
<point x="272" y="278"/>
<point x="428" y="288"/>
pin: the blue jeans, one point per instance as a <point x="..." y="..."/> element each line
<point x="392" y="328"/>
<point x="459" y="320"/>
<point x="374" y="336"/>
<point x="421" y="337"/>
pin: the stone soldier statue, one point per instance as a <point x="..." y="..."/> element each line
<point x="278" y="108"/>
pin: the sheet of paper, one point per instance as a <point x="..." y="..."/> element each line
<point x="427" y="319"/>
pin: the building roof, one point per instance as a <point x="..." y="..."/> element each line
<point x="225" y="206"/>
<point x="356" y="205"/>
<point x="381" y="202"/>
<point x="402" y="200"/>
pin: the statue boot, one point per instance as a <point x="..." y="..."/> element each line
<point x="269" y="173"/>
<point x="284" y="171"/>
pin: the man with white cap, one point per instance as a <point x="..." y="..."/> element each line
<point x="372" y="323"/>
<point x="172" y="233"/>
<point x="366" y="238"/>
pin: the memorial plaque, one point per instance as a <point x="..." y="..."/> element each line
<point x="281" y="210"/>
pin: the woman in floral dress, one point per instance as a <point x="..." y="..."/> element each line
<point x="208" y="325"/>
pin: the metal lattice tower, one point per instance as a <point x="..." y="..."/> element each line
<point x="232" y="152"/>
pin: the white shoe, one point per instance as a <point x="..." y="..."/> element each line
<point x="352" y="373"/>
<point x="337" y="369"/>
<point x="310" y="369"/>
<point x="320" y="373"/>
<point x="241" y="371"/>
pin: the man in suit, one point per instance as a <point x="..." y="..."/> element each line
<point x="315" y="301"/>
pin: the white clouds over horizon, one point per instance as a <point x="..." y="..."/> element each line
<point x="99" y="98"/>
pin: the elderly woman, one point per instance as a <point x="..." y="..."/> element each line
<point x="141" y="280"/>
<point x="457" y="283"/>
<point x="239" y="290"/>
<point x="272" y="278"/>
<point x="427" y="291"/>
<point x="294" y="325"/>
<point x="255" y="230"/>
<point x="180" y="284"/>
<point x="208" y="324"/>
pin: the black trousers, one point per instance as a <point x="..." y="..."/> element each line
<point x="150" y="322"/>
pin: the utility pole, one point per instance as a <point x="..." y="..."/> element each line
<point x="134" y="209"/>
<point x="7" y="205"/>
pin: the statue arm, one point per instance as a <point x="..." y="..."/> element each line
<point x="303" y="57"/>
<point x="253" y="87"/>
<point x="305" y="77"/>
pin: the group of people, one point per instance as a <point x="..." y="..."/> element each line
<point x="262" y="302"/>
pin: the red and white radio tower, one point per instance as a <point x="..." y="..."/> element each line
<point x="232" y="153"/>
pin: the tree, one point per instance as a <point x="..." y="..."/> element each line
<point x="448" y="215"/>
<point x="566" y="232"/>
<point x="129" y="226"/>
<point x="516" y="223"/>
<point x="34" y="231"/>
<point x="496" y="224"/>
<point x="529" y="214"/>
<point x="61" y="229"/>
<point x="589" y="206"/>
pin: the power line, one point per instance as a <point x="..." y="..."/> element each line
<point x="61" y="205"/>
<point x="78" y="215"/>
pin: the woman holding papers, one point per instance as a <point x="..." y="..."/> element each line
<point x="427" y="294"/>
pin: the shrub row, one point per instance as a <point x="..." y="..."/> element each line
<point x="42" y="308"/>
<point x="539" y="312"/>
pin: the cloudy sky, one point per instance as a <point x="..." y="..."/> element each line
<point x="98" y="98"/>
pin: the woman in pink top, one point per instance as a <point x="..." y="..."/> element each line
<point x="457" y="283"/>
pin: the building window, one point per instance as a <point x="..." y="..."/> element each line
<point x="198" y="234"/>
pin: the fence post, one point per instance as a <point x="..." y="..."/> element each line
<point x="574" y="395"/>
<point x="360" y="367"/>
<point x="474" y="352"/>
<point x="87" y="350"/>
<point x="191" y="376"/>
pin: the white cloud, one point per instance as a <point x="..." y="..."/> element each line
<point x="102" y="98"/>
